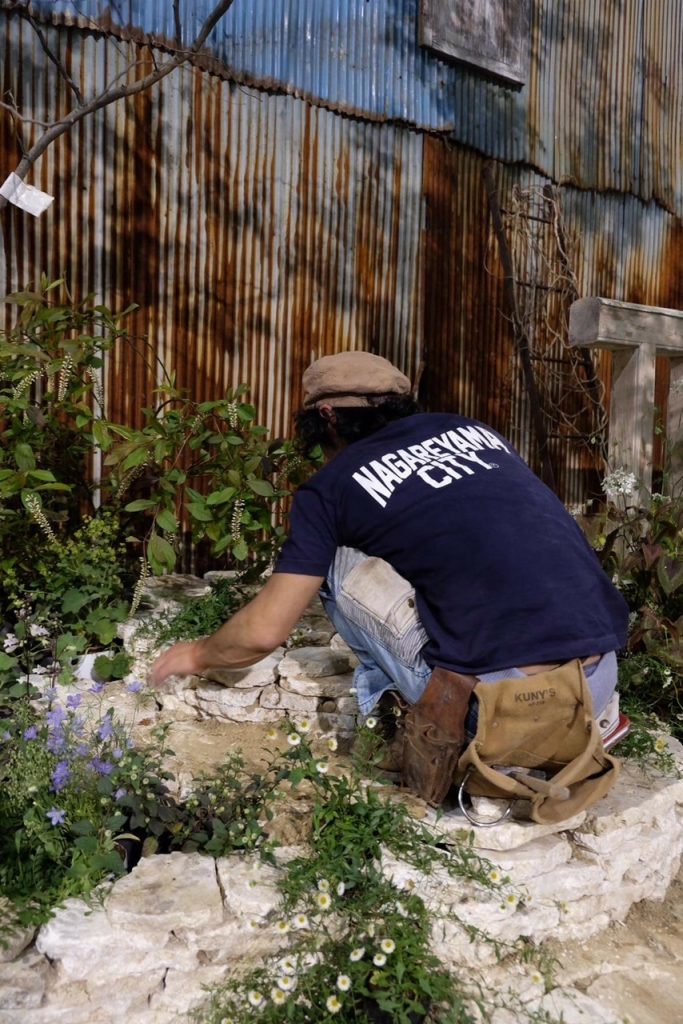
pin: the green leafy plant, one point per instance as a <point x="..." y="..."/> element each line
<point x="62" y="782"/>
<point x="204" y="468"/>
<point x="641" y="549"/>
<point x="200" y="616"/>
<point x="358" y="946"/>
<point x="208" y="464"/>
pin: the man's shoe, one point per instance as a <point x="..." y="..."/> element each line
<point x="613" y="724"/>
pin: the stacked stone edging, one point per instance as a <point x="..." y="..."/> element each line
<point x="181" y="921"/>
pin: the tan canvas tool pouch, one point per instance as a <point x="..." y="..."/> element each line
<point x="537" y="741"/>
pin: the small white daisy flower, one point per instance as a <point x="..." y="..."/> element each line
<point x="288" y="965"/>
<point x="379" y="959"/>
<point x="353" y="691"/>
<point x="282" y="927"/>
<point x="323" y="900"/>
<point x="253" y="924"/>
<point x="660" y="745"/>
<point x="304" y="725"/>
<point x="271" y="734"/>
<point x="536" y="978"/>
<point x="278" y="996"/>
<point x="294" y="739"/>
<point x="333" y="1005"/>
<point x="343" y="982"/>
<point x="286" y="982"/>
<point x="322" y="767"/>
<point x="387" y="945"/>
<point x="255" y="998"/>
<point x="371" y="929"/>
<point x="494" y="875"/>
<point x="370" y="722"/>
<point x="332" y="743"/>
<point x="300" y="921"/>
<point x="510" y="902"/>
<point x="341" y="889"/>
<point x="357" y="954"/>
<point x="323" y="885"/>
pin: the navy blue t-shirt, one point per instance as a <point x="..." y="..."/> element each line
<point x="503" y="575"/>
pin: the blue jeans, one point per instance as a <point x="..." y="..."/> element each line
<point x="373" y="610"/>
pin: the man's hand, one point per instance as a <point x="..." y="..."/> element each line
<point x="179" y="660"/>
<point x="251" y="634"/>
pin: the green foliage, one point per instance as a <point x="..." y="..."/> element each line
<point x="357" y="947"/>
<point x="208" y="464"/>
<point x="641" y="548"/>
<point x="201" y="616"/>
<point x="60" y="811"/>
<point x="49" y="406"/>
<point x="79" y="801"/>
<point x="70" y="568"/>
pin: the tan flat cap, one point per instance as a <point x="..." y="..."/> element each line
<point x="349" y="378"/>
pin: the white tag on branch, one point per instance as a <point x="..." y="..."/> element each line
<point x="26" y="197"/>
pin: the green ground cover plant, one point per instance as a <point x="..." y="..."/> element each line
<point x="641" y="548"/>
<point x="356" y="946"/>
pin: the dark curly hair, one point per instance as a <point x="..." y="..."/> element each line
<point x="352" y="423"/>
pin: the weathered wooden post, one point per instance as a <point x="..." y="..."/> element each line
<point x="635" y="335"/>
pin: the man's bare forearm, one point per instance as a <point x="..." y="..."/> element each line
<point x="251" y="634"/>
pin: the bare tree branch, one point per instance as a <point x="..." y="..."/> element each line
<point x="51" y="55"/>
<point x="15" y="112"/>
<point x="112" y="94"/>
<point x="178" y="23"/>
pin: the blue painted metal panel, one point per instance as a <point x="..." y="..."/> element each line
<point x="351" y="54"/>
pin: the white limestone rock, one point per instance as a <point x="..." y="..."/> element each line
<point x="506" y="836"/>
<point x="276" y="697"/>
<point x="253" y="713"/>
<point x="249" y="886"/>
<point x="635" y="798"/>
<point x="185" y="991"/>
<point x="216" y="575"/>
<point x="225" y="697"/>
<point x="23" y="983"/>
<point x="575" y="880"/>
<point x="333" y="687"/>
<point x="179" y="709"/>
<point x="573" y="1007"/>
<point x="548" y="854"/>
<point x="343" y="725"/>
<point x="313" y="663"/>
<point x="87" y="945"/>
<point x="345" y="706"/>
<point x="262" y="673"/>
<point x="164" y="893"/>
<point x="337" y="643"/>
<point x="120" y="993"/>
<point x="55" y="1013"/>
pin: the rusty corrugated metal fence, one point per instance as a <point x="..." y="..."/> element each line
<point x="257" y="225"/>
